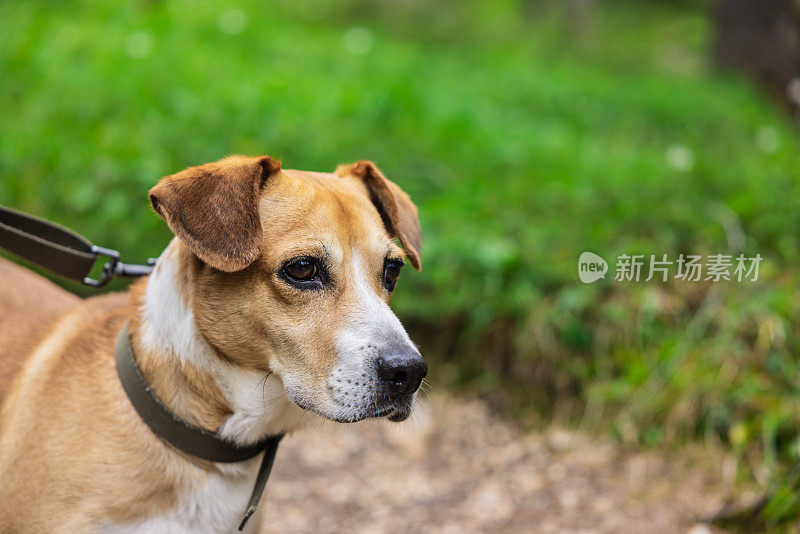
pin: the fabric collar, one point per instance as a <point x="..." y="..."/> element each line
<point x="183" y="435"/>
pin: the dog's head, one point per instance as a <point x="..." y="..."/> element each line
<point x="293" y="272"/>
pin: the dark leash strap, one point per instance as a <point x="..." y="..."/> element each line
<point x="184" y="436"/>
<point x="261" y="478"/>
<point x="60" y="250"/>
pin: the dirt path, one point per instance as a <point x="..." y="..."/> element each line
<point x="455" y="468"/>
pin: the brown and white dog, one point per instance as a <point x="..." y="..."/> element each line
<point x="271" y="302"/>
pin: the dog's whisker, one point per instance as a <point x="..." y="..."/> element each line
<point x="226" y="316"/>
<point x="302" y="414"/>
<point x="263" y="390"/>
<point x="263" y="380"/>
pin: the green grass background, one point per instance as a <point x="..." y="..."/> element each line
<point x="525" y="135"/>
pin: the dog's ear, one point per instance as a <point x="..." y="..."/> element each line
<point x="213" y="208"/>
<point x="398" y="213"/>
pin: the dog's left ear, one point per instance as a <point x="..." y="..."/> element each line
<point x="213" y="208"/>
<point x="398" y="213"/>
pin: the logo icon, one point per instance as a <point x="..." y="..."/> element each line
<point x="591" y="267"/>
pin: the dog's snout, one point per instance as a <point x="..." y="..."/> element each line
<point x="402" y="373"/>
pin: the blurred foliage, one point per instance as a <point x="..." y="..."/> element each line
<point x="525" y="132"/>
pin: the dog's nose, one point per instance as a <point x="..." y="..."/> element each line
<point x="402" y="374"/>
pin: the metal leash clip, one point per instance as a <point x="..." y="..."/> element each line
<point x="116" y="269"/>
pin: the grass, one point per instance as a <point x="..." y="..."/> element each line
<point x="525" y="136"/>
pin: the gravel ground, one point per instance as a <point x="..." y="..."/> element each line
<point x="456" y="468"/>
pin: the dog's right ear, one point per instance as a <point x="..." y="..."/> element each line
<point x="213" y="208"/>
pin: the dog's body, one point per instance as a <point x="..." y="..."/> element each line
<point x="271" y="302"/>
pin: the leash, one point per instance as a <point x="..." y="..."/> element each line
<point x="72" y="256"/>
<point x="60" y="250"/>
<point x="184" y="436"/>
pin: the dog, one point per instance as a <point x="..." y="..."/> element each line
<point x="270" y="303"/>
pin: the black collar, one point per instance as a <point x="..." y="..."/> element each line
<point x="182" y="435"/>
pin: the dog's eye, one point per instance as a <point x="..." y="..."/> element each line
<point x="302" y="269"/>
<point x="305" y="272"/>
<point x="391" y="272"/>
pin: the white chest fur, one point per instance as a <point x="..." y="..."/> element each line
<point x="214" y="506"/>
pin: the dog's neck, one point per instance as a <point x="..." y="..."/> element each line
<point x="189" y="375"/>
